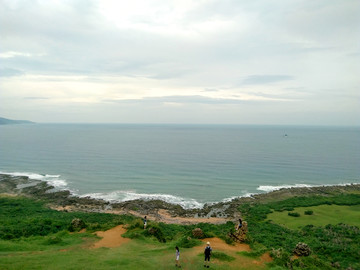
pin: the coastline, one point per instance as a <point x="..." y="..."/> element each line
<point x="216" y="213"/>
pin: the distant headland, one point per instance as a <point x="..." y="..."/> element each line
<point x="5" y="121"/>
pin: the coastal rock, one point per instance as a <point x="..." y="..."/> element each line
<point x="77" y="224"/>
<point x="198" y="233"/>
<point x="302" y="249"/>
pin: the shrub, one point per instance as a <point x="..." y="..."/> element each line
<point x="309" y="212"/>
<point x="293" y="214"/>
<point x="53" y="240"/>
<point x="155" y="231"/>
<point x="187" y="242"/>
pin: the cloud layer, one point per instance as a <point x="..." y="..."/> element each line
<point x="260" y="62"/>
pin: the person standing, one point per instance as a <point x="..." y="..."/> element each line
<point x="207" y="253"/>
<point x="145" y="222"/>
<point x="177" y="256"/>
<point x="239" y="225"/>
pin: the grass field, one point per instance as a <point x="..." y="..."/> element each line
<point x="323" y="215"/>
<point x="33" y="236"/>
<point x="136" y="254"/>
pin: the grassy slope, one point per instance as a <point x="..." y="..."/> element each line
<point x="48" y="246"/>
<point x="137" y="254"/>
<point x="323" y="215"/>
<point x="35" y="237"/>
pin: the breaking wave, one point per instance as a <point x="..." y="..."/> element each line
<point x="122" y="196"/>
<point x="274" y="188"/>
<point x="53" y="180"/>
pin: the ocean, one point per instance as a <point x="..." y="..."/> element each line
<point x="184" y="164"/>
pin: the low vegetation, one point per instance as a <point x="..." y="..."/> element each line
<point x="332" y="245"/>
<point x="37" y="237"/>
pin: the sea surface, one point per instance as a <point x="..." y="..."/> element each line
<point x="184" y="164"/>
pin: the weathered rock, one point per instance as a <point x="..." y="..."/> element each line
<point x="77" y="224"/>
<point x="152" y="230"/>
<point x="302" y="249"/>
<point x="197" y="233"/>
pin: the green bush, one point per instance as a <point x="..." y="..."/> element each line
<point x="309" y="212"/>
<point x="187" y="242"/>
<point x="156" y="231"/>
<point x="24" y="217"/>
<point x="293" y="214"/>
<point x="53" y="240"/>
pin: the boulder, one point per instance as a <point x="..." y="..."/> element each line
<point x="302" y="249"/>
<point x="197" y="233"/>
<point x="77" y="224"/>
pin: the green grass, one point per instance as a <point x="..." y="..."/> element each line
<point x="24" y="217"/>
<point x="35" y="237"/>
<point x="136" y="254"/>
<point x="332" y="240"/>
<point x="323" y="215"/>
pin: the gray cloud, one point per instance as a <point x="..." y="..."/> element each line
<point x="10" y="72"/>
<point x="236" y="47"/>
<point x="196" y="99"/>
<point x="36" y="98"/>
<point x="265" y="79"/>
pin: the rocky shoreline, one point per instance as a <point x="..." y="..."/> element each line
<point x="159" y="210"/>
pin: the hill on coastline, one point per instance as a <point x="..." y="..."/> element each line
<point x="5" y="121"/>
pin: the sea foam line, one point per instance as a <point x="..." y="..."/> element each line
<point x="122" y="196"/>
<point x="274" y="188"/>
<point x="53" y="180"/>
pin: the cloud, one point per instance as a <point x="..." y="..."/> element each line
<point x="36" y="98"/>
<point x="265" y="79"/>
<point x="196" y="99"/>
<point x="10" y="72"/>
<point x="12" y="54"/>
<point x="189" y="52"/>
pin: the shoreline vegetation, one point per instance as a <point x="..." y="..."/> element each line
<point x="291" y="228"/>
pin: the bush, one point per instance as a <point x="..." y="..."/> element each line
<point x="309" y="212"/>
<point x="53" y="240"/>
<point x="293" y="214"/>
<point x="187" y="242"/>
<point x="155" y="231"/>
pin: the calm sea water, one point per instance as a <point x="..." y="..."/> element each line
<point x="184" y="164"/>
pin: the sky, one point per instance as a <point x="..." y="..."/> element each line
<point x="274" y="62"/>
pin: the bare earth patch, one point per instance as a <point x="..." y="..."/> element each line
<point x="111" y="238"/>
<point x="164" y="216"/>
<point x="219" y="245"/>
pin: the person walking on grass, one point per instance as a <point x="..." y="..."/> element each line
<point x="145" y="222"/>
<point x="177" y="257"/>
<point x="207" y="253"/>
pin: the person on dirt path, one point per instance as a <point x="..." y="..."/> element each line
<point x="177" y="257"/>
<point x="207" y="253"/>
<point x="145" y="222"/>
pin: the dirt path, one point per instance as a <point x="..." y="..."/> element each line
<point x="219" y="245"/>
<point x="164" y="216"/>
<point x="111" y="238"/>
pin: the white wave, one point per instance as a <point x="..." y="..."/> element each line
<point x="122" y="196"/>
<point x="273" y="188"/>
<point x="237" y="197"/>
<point x="53" y="180"/>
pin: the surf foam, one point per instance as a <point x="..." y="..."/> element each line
<point x="122" y="196"/>
<point x="53" y="180"/>
<point x="274" y="188"/>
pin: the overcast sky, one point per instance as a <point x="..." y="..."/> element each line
<point x="226" y="61"/>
